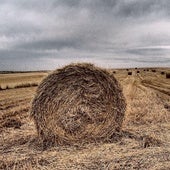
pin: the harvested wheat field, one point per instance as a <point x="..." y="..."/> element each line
<point x="142" y="143"/>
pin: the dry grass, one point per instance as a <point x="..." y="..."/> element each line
<point x="143" y="144"/>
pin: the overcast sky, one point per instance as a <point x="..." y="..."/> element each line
<point x="41" y="34"/>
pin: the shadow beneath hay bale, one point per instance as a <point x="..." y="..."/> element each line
<point x="148" y="141"/>
<point x="33" y="143"/>
<point x="144" y="141"/>
<point x="49" y="143"/>
<point x="42" y="145"/>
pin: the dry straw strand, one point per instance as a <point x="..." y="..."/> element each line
<point x="78" y="103"/>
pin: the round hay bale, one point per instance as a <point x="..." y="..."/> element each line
<point x="167" y="75"/>
<point x="129" y="73"/>
<point x="78" y="103"/>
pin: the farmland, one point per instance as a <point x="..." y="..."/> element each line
<point x="144" y="142"/>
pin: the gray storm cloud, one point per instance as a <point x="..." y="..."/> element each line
<point x="40" y="34"/>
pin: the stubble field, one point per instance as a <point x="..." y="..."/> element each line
<point x="144" y="142"/>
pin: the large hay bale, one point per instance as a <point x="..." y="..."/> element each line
<point x="78" y="103"/>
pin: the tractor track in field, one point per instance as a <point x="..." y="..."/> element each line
<point x="157" y="88"/>
<point x="151" y="100"/>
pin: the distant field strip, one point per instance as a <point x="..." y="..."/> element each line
<point x="20" y="80"/>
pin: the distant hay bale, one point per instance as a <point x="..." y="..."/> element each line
<point x="78" y="103"/>
<point x="129" y="73"/>
<point x="168" y="75"/>
<point x="162" y="72"/>
<point x="138" y="71"/>
<point x="114" y="72"/>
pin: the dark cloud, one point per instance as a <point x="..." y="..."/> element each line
<point x="50" y="44"/>
<point x="143" y="8"/>
<point x="21" y="54"/>
<point x="151" y="51"/>
<point x="103" y="31"/>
